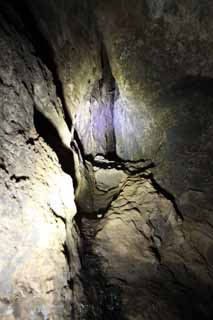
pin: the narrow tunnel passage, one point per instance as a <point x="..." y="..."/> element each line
<point x="105" y="160"/>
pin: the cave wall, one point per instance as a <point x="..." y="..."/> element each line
<point x="161" y="57"/>
<point x="70" y="31"/>
<point x="152" y="46"/>
<point x="134" y="80"/>
<point x="35" y="210"/>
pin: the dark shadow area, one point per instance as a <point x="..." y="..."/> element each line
<point x="103" y="299"/>
<point x="192" y="85"/>
<point x="79" y="145"/>
<point x="162" y="297"/>
<point x="184" y="158"/>
<point x="50" y="135"/>
<point x="111" y="160"/>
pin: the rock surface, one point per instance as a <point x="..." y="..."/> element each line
<point x="152" y="46"/>
<point x="82" y="82"/>
<point x="141" y="86"/>
<point x="36" y="195"/>
<point x="141" y="260"/>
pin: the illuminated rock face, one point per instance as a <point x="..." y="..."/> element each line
<point x="36" y="195"/>
<point x="134" y="78"/>
<point x="140" y="259"/>
<point x="148" y="48"/>
<point x="152" y="46"/>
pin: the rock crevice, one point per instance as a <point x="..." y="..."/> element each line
<point x="88" y="229"/>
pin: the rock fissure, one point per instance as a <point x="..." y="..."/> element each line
<point x="166" y="194"/>
<point x="92" y="229"/>
<point x="113" y="98"/>
<point x="19" y="178"/>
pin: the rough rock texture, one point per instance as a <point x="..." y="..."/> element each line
<point x="161" y="57"/>
<point x="36" y="196"/>
<point x="134" y="81"/>
<point x="83" y="68"/>
<point x="72" y="39"/>
<point x="141" y="261"/>
<point x="151" y="46"/>
<point x="152" y="67"/>
<point x="114" y="59"/>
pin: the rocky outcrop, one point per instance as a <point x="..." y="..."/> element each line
<point x="142" y="80"/>
<point x="139" y="259"/>
<point x="36" y="195"/>
<point x="164" y="109"/>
